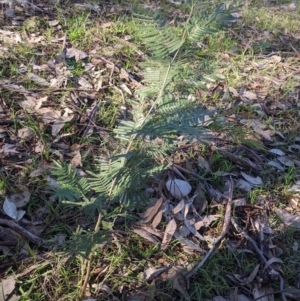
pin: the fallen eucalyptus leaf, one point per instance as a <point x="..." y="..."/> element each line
<point x="150" y="212"/>
<point x="145" y="235"/>
<point x="242" y="184"/>
<point x="253" y="181"/>
<point x="276" y="164"/>
<point x="7" y="286"/>
<point x="295" y="187"/>
<point x="286" y="161"/>
<point x="169" y="232"/>
<point x="292" y="220"/>
<point x="179" y="207"/>
<point x="277" y="151"/>
<point x="10" y="210"/>
<point x="152" y="273"/>
<point x="188" y="243"/>
<point x="20" y="199"/>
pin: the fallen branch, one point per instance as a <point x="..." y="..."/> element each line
<point x="224" y="232"/>
<point x="33" y="238"/>
<point x="272" y="272"/>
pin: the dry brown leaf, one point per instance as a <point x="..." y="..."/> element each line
<point x="252" y="181"/>
<point x="203" y="164"/>
<point x="295" y="188"/>
<point x="20" y="199"/>
<point x="189" y="225"/>
<point x="206" y="221"/>
<point x="233" y="91"/>
<point x="200" y="202"/>
<point x="107" y="24"/>
<point x="153" y="231"/>
<point x="150" y="212"/>
<point x="188" y="243"/>
<point x="8" y="149"/>
<point x="277" y="152"/>
<point x="76" y="161"/>
<point x="184" y="231"/>
<point x="169" y="232"/>
<point x="242" y="184"/>
<point x="179" y="207"/>
<point x="152" y="273"/>
<point x="59" y="123"/>
<point x="292" y="220"/>
<point x="26" y="133"/>
<point x="214" y="193"/>
<point x="286" y="161"/>
<point x="7" y="287"/>
<point x="75" y="53"/>
<point x="158" y="217"/>
<point x="38" y="80"/>
<point x="178" y="282"/>
<point x="275" y="164"/>
<point x="249" y="95"/>
<point x="258" y="127"/>
<point x="294" y="148"/>
<point x="145" y="235"/>
<point x="263" y="293"/>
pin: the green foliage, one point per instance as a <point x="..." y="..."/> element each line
<point x="160" y="112"/>
<point x="70" y="187"/>
<point x="173" y="61"/>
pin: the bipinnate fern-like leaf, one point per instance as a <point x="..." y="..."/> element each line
<point x="161" y="112"/>
<point x="172" y="121"/>
<point x="173" y="64"/>
<point x="161" y="40"/>
<point x="70" y="187"/>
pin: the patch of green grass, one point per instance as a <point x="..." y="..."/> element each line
<point x="220" y="163"/>
<point x="274" y="20"/>
<point x="50" y="284"/>
<point x="289" y="177"/>
<point x="107" y="115"/>
<point x="221" y="41"/>
<point x="77" y="27"/>
<point x="212" y="280"/>
<point x="254" y="195"/>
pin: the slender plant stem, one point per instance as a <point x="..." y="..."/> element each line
<point x="87" y="263"/>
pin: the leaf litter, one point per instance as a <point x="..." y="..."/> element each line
<point x="192" y="222"/>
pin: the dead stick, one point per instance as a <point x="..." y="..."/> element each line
<point x="33" y="238"/>
<point x="188" y="172"/>
<point x="87" y="263"/>
<point x="225" y="228"/>
<point x="261" y="255"/>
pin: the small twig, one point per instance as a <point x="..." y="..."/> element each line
<point x="87" y="264"/>
<point x="261" y="255"/>
<point x="90" y="120"/>
<point x="188" y="172"/>
<point x="53" y="89"/>
<point x="236" y="159"/>
<point x="33" y="238"/>
<point x="38" y="8"/>
<point x="224" y="232"/>
<point x="294" y="49"/>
